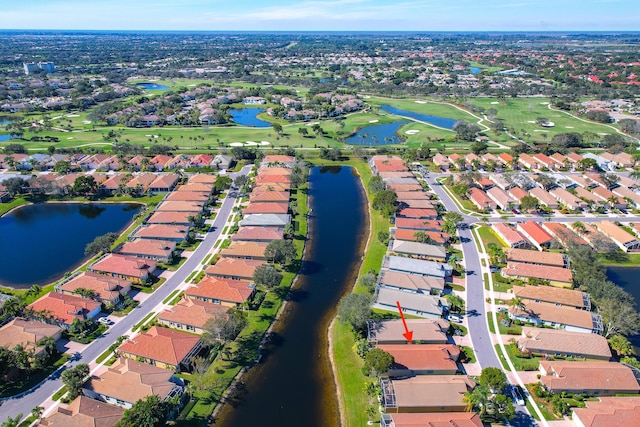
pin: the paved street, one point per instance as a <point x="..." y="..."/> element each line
<point x="42" y="394"/>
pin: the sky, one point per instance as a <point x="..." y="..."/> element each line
<point x="323" y="15"/>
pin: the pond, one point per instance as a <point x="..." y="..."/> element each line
<point x="41" y="242"/>
<point x="377" y="134"/>
<point x="152" y="86"/>
<point x="293" y="385"/>
<point x="627" y="279"/>
<point x="5" y="137"/>
<point x="442" y="122"/>
<point x="249" y="117"/>
<point x="474" y="70"/>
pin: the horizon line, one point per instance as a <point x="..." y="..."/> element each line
<point x="585" y="31"/>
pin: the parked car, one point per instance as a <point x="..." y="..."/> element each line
<point x="454" y="317"/>
<point x="105" y="321"/>
<point x="517" y="396"/>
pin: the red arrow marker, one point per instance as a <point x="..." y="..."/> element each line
<point x="408" y="334"/>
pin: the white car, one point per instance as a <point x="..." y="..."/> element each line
<point x="517" y="396"/>
<point x="452" y="317"/>
<point x="105" y="321"/>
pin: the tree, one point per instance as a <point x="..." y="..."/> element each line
<point x="61" y="167"/>
<point x="529" y="203"/>
<point x="222" y="183"/>
<point x="12" y="422"/>
<point x="369" y="280"/>
<point x="567" y="140"/>
<point x="619" y="317"/>
<point x="378" y="361"/>
<point x="267" y="276"/>
<point x="147" y="412"/>
<point x="455" y="217"/>
<point x="503" y="407"/>
<point x="303" y="131"/>
<point x="37" y="412"/>
<point x="455" y="302"/>
<point x="281" y="251"/>
<point x="621" y="345"/>
<point x="385" y="202"/>
<point x="422" y="237"/>
<point x="493" y="378"/>
<point x="85" y="185"/>
<point x="579" y="228"/>
<point x="609" y="179"/>
<point x="73" y="378"/>
<point x="15" y="185"/>
<point x="479" y="147"/>
<point x="466" y="131"/>
<point x="355" y="309"/>
<point x="478" y="398"/>
<point x="49" y="345"/>
<point x="101" y="244"/>
<point x="223" y="327"/>
<point x="277" y="128"/>
<point x="376" y="184"/>
<point x="547" y="181"/>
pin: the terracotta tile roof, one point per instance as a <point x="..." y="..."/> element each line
<point x="275" y="171"/>
<point x="388" y="175"/>
<point x="505" y="157"/>
<point x="436" y="357"/>
<point x="117" y="179"/>
<point x="202" y="178"/>
<point x="276" y="208"/>
<point x="215" y="288"/>
<point x="574" y="157"/>
<point x="418" y="213"/>
<point x="544" y="196"/>
<point x="563" y="234"/>
<point x="188" y="196"/>
<point x="160" y="160"/>
<point x="162" y="231"/>
<point x="404" y="187"/>
<point x="105" y="287"/>
<point x="609" y="411"/>
<point x="536" y="257"/>
<point x="180" y="207"/>
<point x="435" y="419"/>
<point x="235" y="268"/>
<point x="588" y="195"/>
<point x="144" y="179"/>
<point x="270" y="196"/>
<point x="616" y="233"/>
<point x="481" y="199"/>
<point x="263" y="234"/>
<point x="124" y="265"/>
<point x="410" y="235"/>
<point x="588" y="376"/>
<point x="510" y="235"/>
<point x="27" y="333"/>
<point x="169" y="217"/>
<point x="554" y="274"/>
<point x="517" y="193"/>
<point x="148" y="248"/>
<point x="261" y="188"/>
<point x="409" y="281"/>
<point x="64" y="308"/>
<point x="567" y="198"/>
<point x="566" y="297"/>
<point x="418" y="224"/>
<point x="273" y="179"/>
<point x="240" y="249"/>
<point x="83" y="412"/>
<point x="429" y="391"/>
<point x="192" y="312"/>
<point x="418" y="204"/>
<point x="129" y="380"/>
<point x="195" y="186"/>
<point x="536" y="232"/>
<point x="161" y="344"/>
<point x="553" y="341"/>
<point x="276" y="158"/>
<point x="431" y="331"/>
<point x="390" y="165"/>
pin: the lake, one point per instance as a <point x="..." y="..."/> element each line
<point x="377" y="135"/>
<point x="627" y="279"/>
<point x="474" y="70"/>
<point x="293" y="385"/>
<point x="442" y="122"/>
<point x="5" y="137"/>
<point x="152" y="86"/>
<point x="249" y="117"/>
<point x="39" y="243"/>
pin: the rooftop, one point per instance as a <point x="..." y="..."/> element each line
<point x="161" y="344"/>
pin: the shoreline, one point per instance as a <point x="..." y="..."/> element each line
<point x="334" y="368"/>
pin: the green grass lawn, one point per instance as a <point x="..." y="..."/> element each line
<point x="521" y="363"/>
<point x="488" y="236"/>
<point x="6" y="207"/>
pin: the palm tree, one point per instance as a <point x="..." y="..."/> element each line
<point x="612" y="200"/>
<point x="37" y="412"/>
<point x="517" y="303"/>
<point x="34" y="290"/>
<point x="49" y="345"/>
<point x="477" y="399"/>
<point x="579" y="228"/>
<point x="635" y="175"/>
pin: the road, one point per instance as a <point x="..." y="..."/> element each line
<point x="38" y="397"/>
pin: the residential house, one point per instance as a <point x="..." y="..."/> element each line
<point x="278" y="159"/>
<point x="246" y="250"/>
<point x="563" y="234"/>
<point x="607" y="197"/>
<point x="545" y="161"/>
<point x="191" y="315"/>
<point x="552" y="259"/>
<point x="416" y="266"/>
<point x="162" y="347"/>
<point x="567" y="199"/>
<point x="411" y="282"/>
<point x="502" y="199"/>
<point x="426" y="393"/>
<point x="269" y="197"/>
<point x="416" y="304"/>
<point x="164" y="182"/>
<point x="188" y="196"/>
<point x="558" y="343"/>
<point x="528" y="161"/>
<point x="430" y="359"/>
<point x="168" y="217"/>
<point x="480" y="199"/>
<point x="535" y="233"/>
<point x="105" y="289"/>
<point x="234" y="268"/>
<point x="574" y="158"/>
<point x="195" y="207"/>
<point x="441" y="161"/>
<point x="591" y="378"/>
<point x="505" y="158"/>
<point x="127" y="381"/>
<point x="589" y="197"/>
<point x="608" y="411"/>
<point x="28" y="334"/>
<point x="162" y="232"/>
<point x="258" y="234"/>
<point x="558" y="296"/>
<point x="418" y="213"/>
<point x="221" y="291"/>
<point x="202" y="178"/>
<point x="158" y="162"/>
<point x="567" y="318"/>
<point x="158" y="250"/>
<point x="425" y="331"/>
<point x="630" y="196"/>
<point x="557" y="276"/>
<point x="134" y="269"/>
<point x="444" y="419"/>
<point x="404" y="187"/>
<point x="544" y="197"/>
<point x="418" y="250"/>
<point x="143" y="180"/>
<point x="435" y="237"/>
<point x="64" y="308"/>
<point x="512" y="237"/>
<point x="622" y="238"/>
<point x="265" y="220"/>
<point x="82" y="412"/>
<point x="116" y="182"/>
<point x="267" y="208"/>
<point x="418" y="224"/>
<point x="517" y="193"/>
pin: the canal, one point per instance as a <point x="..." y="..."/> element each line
<point x="293" y="385"/>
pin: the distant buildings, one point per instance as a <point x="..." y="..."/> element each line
<point x="32" y="67"/>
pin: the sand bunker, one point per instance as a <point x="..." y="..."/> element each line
<point x="250" y="143"/>
<point x="265" y="143"/>
<point x="412" y="131"/>
<point x="421" y="102"/>
<point x="236" y="144"/>
<point x="374" y="121"/>
<point x="495" y="103"/>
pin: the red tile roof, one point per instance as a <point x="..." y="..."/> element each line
<point x="215" y="288"/>
<point x="161" y="344"/>
<point x="276" y="208"/>
<point x="263" y="234"/>
<point x="124" y="265"/>
<point x="64" y="308"/>
<point x="235" y="268"/>
<point x="270" y="196"/>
